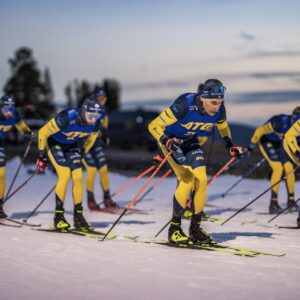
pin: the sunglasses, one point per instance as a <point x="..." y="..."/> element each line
<point x="7" y="109"/>
<point x="91" y="115"/>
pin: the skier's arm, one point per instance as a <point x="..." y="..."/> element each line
<point x="47" y="130"/>
<point x="260" y="131"/>
<point x="90" y="141"/>
<point x="22" y="127"/>
<point x="172" y="114"/>
<point x="224" y="130"/>
<point x="158" y="125"/>
<point x="20" y="124"/>
<point x="291" y="138"/>
<point x="104" y="122"/>
<point x="60" y="122"/>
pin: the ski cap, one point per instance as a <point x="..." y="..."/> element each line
<point x="296" y="114"/>
<point x="7" y="100"/>
<point x="99" y="93"/>
<point x="91" y="106"/>
<point x="212" y="89"/>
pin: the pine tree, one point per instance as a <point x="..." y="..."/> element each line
<point x="27" y="84"/>
<point x="76" y="92"/>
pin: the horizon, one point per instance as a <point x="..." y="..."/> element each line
<point x="162" y="49"/>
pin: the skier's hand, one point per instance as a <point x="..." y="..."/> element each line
<point x="173" y="144"/>
<point x="237" y="152"/>
<point x="41" y="163"/>
<point x="157" y="158"/>
<point x="106" y="141"/>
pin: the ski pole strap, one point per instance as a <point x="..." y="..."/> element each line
<point x="268" y="189"/>
<point x="124" y="187"/>
<point x="281" y="212"/>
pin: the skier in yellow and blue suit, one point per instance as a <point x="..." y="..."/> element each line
<point x="291" y="145"/>
<point x="62" y="140"/>
<point x="9" y="117"/>
<point x="178" y="128"/>
<point x="95" y="160"/>
<point x="269" y="139"/>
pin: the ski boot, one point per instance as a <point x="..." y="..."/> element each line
<point x="274" y="207"/>
<point x="2" y="213"/>
<point x="291" y="204"/>
<point x="197" y="234"/>
<point x="108" y="202"/>
<point x="60" y="222"/>
<point x="204" y="216"/>
<point x="80" y="222"/>
<point x="91" y="203"/>
<point x="176" y="235"/>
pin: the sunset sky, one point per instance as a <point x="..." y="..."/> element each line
<point x="160" y="49"/>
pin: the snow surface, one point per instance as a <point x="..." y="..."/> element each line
<point x="38" y="265"/>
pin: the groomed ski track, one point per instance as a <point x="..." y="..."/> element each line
<point x="40" y="265"/>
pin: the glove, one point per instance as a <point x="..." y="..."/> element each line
<point x="237" y="152"/>
<point x="173" y="144"/>
<point x="106" y="141"/>
<point x="157" y="159"/>
<point x="41" y="163"/>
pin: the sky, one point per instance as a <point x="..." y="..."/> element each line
<point x="158" y="50"/>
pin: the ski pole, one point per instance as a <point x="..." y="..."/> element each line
<point x="281" y="212"/>
<point x="139" y="193"/>
<point x="208" y="183"/>
<point x="256" y="198"/>
<point x="18" y="170"/>
<point x="159" y="180"/>
<point x="244" y="176"/>
<point x="37" y="207"/>
<point x="20" y="186"/>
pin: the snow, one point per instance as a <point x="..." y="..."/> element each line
<point x="38" y="265"/>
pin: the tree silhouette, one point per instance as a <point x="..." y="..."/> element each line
<point x="28" y="85"/>
<point x="76" y="92"/>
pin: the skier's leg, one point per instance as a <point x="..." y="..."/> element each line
<point x="290" y="183"/>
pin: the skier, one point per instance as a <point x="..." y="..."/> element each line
<point x="95" y="159"/>
<point x="269" y="137"/>
<point x="9" y="117"/>
<point x="61" y="139"/>
<point x="178" y="128"/>
<point x="291" y="144"/>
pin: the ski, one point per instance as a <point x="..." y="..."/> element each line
<point x="220" y="220"/>
<point x="288" y="227"/>
<point x="23" y="223"/>
<point x="3" y="223"/>
<point x="118" y="210"/>
<point x="91" y="233"/>
<point x="198" y="247"/>
<point x="214" y="246"/>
